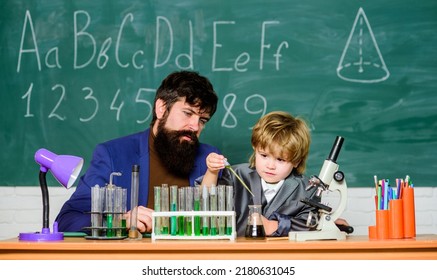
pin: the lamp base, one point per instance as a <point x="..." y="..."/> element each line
<point x="44" y="235"/>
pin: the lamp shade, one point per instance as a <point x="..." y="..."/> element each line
<point x="64" y="168"/>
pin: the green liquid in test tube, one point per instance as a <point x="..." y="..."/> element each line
<point x="181" y="225"/>
<point x="123" y="226"/>
<point x="109" y="224"/>
<point x="196" y="206"/>
<point x="173" y="207"/>
<point x="189" y="226"/>
<point x="164" y="208"/>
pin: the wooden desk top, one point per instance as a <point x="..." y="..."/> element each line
<point x="354" y="247"/>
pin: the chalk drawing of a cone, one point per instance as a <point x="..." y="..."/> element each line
<point x="361" y="60"/>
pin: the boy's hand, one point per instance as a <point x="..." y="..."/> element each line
<point x="215" y="162"/>
<point x="270" y="226"/>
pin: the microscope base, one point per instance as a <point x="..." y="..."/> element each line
<point x="316" y="235"/>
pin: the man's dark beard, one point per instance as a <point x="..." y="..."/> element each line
<point x="178" y="156"/>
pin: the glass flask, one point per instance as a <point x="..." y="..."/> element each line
<point x="255" y="227"/>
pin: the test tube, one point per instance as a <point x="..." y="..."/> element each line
<point x="189" y="207"/>
<point x="164" y="208"/>
<point x="174" y="208"/>
<point x="229" y="207"/>
<point x="123" y="211"/>
<point x="96" y="210"/>
<point x="109" y="210"/>
<point x="213" y="207"/>
<point x="221" y="192"/>
<point x="117" y="210"/>
<point x="181" y="207"/>
<point x="196" y="206"/>
<point x="157" y="208"/>
<point x="205" y="207"/>
<point x="133" y="231"/>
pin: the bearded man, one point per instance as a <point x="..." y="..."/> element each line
<point x="168" y="152"/>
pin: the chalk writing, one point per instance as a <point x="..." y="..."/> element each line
<point x="88" y="51"/>
<point x="144" y="97"/>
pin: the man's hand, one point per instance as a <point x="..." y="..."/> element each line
<point x="144" y="218"/>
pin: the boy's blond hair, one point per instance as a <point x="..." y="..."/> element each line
<point x="285" y="136"/>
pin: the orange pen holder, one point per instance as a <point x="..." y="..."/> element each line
<point x="397" y="222"/>
<point x="409" y="213"/>
<point x="396" y="218"/>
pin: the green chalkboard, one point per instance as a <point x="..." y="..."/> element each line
<point x="76" y="73"/>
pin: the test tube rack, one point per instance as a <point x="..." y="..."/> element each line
<point x="108" y="230"/>
<point x="192" y="215"/>
<point x="108" y="206"/>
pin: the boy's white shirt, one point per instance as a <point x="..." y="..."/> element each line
<point x="270" y="190"/>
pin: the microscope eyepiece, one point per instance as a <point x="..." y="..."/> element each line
<point x="335" y="151"/>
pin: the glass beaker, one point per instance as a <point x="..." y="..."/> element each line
<point x="255" y="227"/>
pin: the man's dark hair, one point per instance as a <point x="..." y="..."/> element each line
<point x="197" y="90"/>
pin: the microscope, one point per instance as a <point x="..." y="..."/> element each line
<point x="329" y="179"/>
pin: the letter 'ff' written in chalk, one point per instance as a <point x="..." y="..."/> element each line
<point x="164" y="47"/>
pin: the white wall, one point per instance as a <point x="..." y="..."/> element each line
<point x="21" y="208"/>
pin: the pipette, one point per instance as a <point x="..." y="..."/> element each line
<point x="228" y="166"/>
